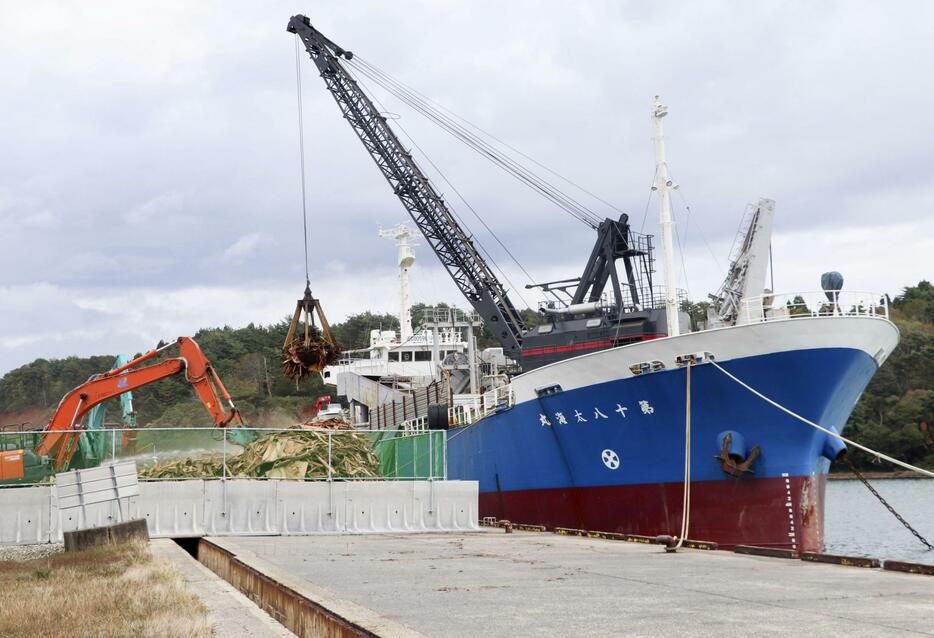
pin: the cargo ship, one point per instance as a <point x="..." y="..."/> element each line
<point x="616" y="412"/>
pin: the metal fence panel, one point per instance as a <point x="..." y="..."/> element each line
<point x="93" y="497"/>
<point x="110" y="482"/>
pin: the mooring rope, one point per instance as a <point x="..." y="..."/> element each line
<point x="849" y="463"/>
<point x="835" y="435"/>
<point x="686" y="498"/>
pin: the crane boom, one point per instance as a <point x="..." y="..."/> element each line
<point x="453" y="246"/>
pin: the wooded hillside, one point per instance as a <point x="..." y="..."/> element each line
<point x="895" y="414"/>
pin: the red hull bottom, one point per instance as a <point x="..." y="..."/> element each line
<point x="768" y="512"/>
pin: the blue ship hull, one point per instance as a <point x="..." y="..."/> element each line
<point x="610" y="455"/>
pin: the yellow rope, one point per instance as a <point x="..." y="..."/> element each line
<point x="686" y="498"/>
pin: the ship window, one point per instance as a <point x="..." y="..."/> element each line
<point x="594" y="323"/>
<point x="406" y="356"/>
<point x="545" y="328"/>
<point x="423" y="355"/>
<point x="393" y="356"/>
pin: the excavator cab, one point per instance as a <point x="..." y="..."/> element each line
<point x="18" y="463"/>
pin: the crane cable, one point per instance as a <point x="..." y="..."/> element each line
<point x="454" y="212"/>
<point x="424" y="106"/>
<point x="441" y="107"/>
<point x="487" y="152"/>
<point x="301" y="152"/>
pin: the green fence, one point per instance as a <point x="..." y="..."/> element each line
<point x="419" y="456"/>
<point x="265" y="453"/>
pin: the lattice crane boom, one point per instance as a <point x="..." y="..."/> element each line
<point x="453" y="246"/>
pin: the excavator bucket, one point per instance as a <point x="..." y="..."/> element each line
<point x="308" y="348"/>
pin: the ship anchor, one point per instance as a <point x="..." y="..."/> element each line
<point x="733" y="464"/>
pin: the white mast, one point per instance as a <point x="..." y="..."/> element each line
<point x="662" y="185"/>
<point x="401" y="235"/>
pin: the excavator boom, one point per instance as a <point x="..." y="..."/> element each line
<point x="60" y="440"/>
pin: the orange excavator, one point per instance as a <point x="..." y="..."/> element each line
<point x="59" y="440"/>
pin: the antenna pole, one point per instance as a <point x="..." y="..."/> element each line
<point x="662" y="185"/>
<point x="401" y="234"/>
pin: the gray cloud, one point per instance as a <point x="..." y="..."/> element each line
<point x="150" y="150"/>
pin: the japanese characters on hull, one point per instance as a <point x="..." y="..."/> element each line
<point x="560" y="419"/>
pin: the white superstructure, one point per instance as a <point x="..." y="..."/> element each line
<point x="662" y="185"/>
<point x="402" y="234"/>
<point x="441" y="348"/>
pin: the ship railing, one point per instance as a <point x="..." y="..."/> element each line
<point x="498" y="398"/>
<point x="418" y="425"/>
<point x="466" y="412"/>
<point x="814" y="303"/>
<point x="223" y="454"/>
<point x="659" y="297"/>
<point x="448" y="317"/>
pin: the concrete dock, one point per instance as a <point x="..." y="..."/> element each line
<point x="526" y="583"/>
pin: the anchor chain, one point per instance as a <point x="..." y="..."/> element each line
<point x="901" y="520"/>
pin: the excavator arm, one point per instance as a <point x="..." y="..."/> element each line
<point x="60" y="440"/>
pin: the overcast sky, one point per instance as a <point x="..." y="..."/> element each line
<point x="149" y="174"/>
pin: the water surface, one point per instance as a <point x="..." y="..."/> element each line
<point x="856" y="523"/>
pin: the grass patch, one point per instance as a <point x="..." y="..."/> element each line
<point x="115" y="590"/>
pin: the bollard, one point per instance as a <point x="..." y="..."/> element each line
<point x="670" y="542"/>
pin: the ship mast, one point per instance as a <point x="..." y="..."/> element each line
<point x="662" y="185"/>
<point x="401" y="234"/>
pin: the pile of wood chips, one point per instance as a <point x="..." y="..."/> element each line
<point x="325" y="424"/>
<point x="203" y="466"/>
<point x="300" y="453"/>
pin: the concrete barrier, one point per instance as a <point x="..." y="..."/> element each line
<point x="240" y="507"/>
<point x="26" y="515"/>
<point x="77" y="540"/>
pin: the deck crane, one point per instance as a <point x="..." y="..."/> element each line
<point x="587" y="321"/>
<point x="434" y="219"/>
<point x="58" y="442"/>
